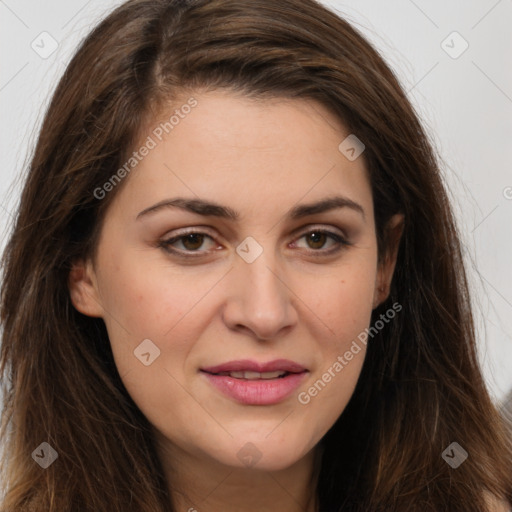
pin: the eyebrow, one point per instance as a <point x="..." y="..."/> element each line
<point x="211" y="209"/>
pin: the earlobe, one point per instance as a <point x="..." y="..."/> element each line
<point x="83" y="289"/>
<point x="379" y="295"/>
<point x="393" y="235"/>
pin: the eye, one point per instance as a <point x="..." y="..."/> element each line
<point x="191" y="242"/>
<point x="316" y="239"/>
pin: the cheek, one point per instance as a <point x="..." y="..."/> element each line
<point x="144" y="294"/>
<point x="351" y="307"/>
<point x="345" y="306"/>
<point x="151" y="335"/>
<point x="143" y="301"/>
<point x="344" y="302"/>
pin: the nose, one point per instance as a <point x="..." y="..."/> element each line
<point x="259" y="300"/>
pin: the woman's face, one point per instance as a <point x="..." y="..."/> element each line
<point x="268" y="274"/>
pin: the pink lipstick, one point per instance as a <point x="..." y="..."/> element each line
<point x="253" y="383"/>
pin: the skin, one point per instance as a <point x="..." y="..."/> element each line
<point x="260" y="158"/>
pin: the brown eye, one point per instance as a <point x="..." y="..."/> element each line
<point x="317" y="238"/>
<point x="190" y="243"/>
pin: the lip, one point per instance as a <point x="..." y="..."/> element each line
<point x="254" y="366"/>
<point x="259" y="391"/>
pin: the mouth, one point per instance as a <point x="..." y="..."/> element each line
<point x="253" y="383"/>
<point x="248" y="375"/>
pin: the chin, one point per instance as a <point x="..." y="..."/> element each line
<point x="260" y="453"/>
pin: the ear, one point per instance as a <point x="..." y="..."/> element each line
<point x="392" y="235"/>
<point x="83" y="289"/>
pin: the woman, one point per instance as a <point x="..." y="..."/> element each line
<point x="235" y="281"/>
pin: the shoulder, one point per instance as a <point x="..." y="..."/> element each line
<point x="496" y="505"/>
<point x="501" y="506"/>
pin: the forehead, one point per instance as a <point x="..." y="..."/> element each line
<point x="243" y="151"/>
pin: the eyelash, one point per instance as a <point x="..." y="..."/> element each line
<point x="341" y="243"/>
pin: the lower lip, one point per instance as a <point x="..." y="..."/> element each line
<point x="257" y="392"/>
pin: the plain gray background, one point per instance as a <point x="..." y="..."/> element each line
<point x="463" y="95"/>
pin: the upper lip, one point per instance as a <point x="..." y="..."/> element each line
<point x="255" y="366"/>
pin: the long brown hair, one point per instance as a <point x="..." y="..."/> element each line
<point x="421" y="386"/>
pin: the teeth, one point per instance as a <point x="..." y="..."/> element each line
<point x="254" y="375"/>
